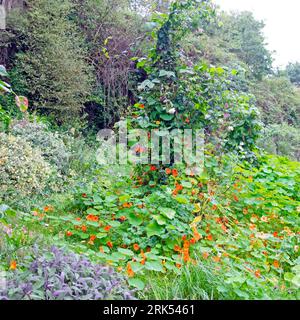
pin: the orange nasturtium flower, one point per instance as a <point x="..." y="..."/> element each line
<point x="83" y="228"/>
<point x="107" y="228"/>
<point x="197" y="235"/>
<point x="129" y="270"/>
<point x="127" y="205"/>
<point x="48" y="208"/>
<point x="109" y="244"/>
<point x="136" y="247"/>
<point x="177" y="248"/>
<point x="93" y="237"/>
<point x="257" y="273"/>
<point x="235" y="198"/>
<point x="13" y="265"/>
<point x="143" y="257"/>
<point x="205" y="255"/>
<point x="174" y="173"/>
<point x="123" y="218"/>
<point x="209" y="237"/>
<point x="168" y="171"/>
<point x="276" y="264"/>
<point x="214" y="207"/>
<point x="69" y="233"/>
<point x="217" y="259"/>
<point x="101" y="249"/>
<point x="91" y="217"/>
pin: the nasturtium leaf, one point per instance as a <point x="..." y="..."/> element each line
<point x="167" y="212"/>
<point x="154" y="265"/>
<point x="137" y="283"/>
<point x="160" y="219"/>
<point x="154" y="229"/>
<point x="134" y="219"/>
<point x="126" y="252"/>
<point x="182" y="199"/>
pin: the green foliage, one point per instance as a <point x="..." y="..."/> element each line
<point x="50" y="144"/>
<point x="23" y="170"/>
<point x="278" y="100"/>
<point x="51" y="69"/>
<point x="242" y="35"/>
<point x="281" y="139"/>
<point x="293" y="72"/>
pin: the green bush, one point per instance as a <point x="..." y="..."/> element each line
<point x="51" y="145"/>
<point x="23" y="170"/>
<point x="51" y="68"/>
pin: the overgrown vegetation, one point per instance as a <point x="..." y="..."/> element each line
<point x="158" y="230"/>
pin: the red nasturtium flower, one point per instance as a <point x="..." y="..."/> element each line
<point x="107" y="228"/>
<point x="193" y="241"/>
<point x="13" y="265"/>
<point x="84" y="195"/>
<point x="69" y="233"/>
<point x="153" y="168"/>
<point x="136" y="247"/>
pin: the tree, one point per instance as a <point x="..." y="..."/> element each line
<point x="293" y="72"/>
<point x="242" y="35"/>
<point x="50" y="65"/>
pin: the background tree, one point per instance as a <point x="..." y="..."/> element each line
<point x="293" y="72"/>
<point x="51" y="67"/>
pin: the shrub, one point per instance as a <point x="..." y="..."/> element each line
<point x="22" y="168"/>
<point x="59" y="275"/>
<point x="51" y="145"/>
